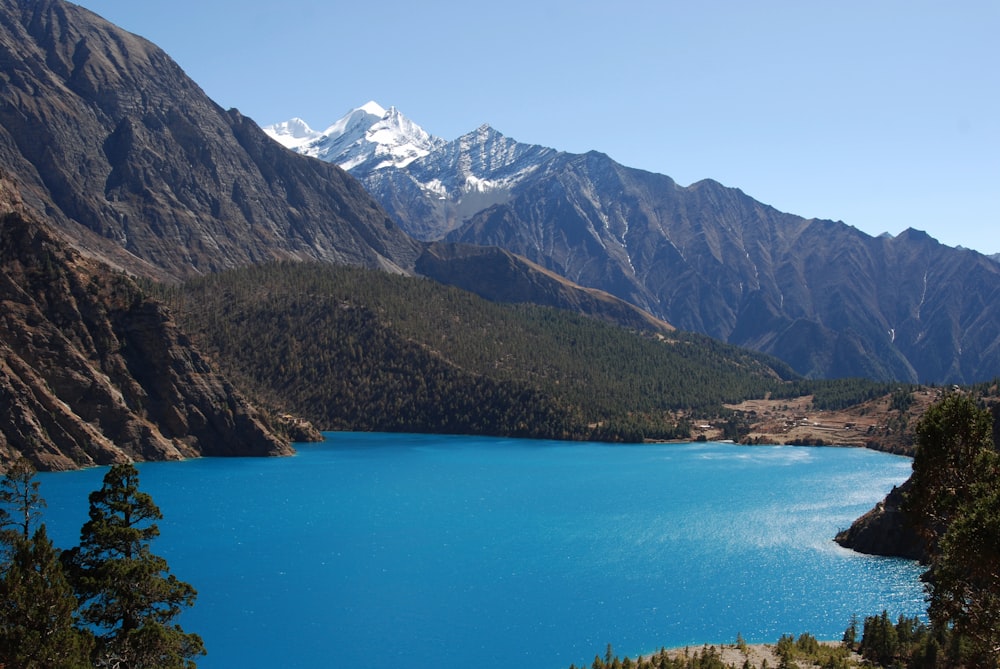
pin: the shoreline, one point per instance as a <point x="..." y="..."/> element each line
<point x="738" y="656"/>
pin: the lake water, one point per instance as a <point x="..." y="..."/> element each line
<point x="387" y="551"/>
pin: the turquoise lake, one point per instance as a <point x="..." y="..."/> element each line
<point x="389" y="550"/>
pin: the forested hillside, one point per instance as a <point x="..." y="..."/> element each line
<point x="349" y="348"/>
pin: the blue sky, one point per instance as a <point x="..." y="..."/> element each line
<point x="885" y="114"/>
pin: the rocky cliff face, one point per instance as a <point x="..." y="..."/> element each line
<point x="92" y="372"/>
<point x="885" y="530"/>
<point x="132" y="162"/>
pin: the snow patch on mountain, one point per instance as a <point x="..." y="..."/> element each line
<point x="396" y="159"/>
<point x="367" y="138"/>
<point x="294" y="133"/>
<point x="481" y="161"/>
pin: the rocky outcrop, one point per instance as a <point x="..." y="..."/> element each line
<point x="885" y="530"/>
<point x="888" y="529"/>
<point x="133" y="163"/>
<point x="93" y="372"/>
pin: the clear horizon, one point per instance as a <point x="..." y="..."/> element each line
<point x="884" y="116"/>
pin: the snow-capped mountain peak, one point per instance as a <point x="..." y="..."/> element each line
<point x="355" y="123"/>
<point x="390" y="154"/>
<point x="373" y="108"/>
<point x="368" y="137"/>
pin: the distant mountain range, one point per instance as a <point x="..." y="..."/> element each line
<point x="826" y="298"/>
<point x="120" y="178"/>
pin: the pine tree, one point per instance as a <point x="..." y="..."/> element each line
<point x="956" y="499"/>
<point x="965" y="573"/>
<point x="952" y="437"/>
<point x="37" y="621"/>
<point x="851" y="633"/>
<point x="127" y="594"/>
<point x="879" y="641"/>
<point x="37" y="605"/>
<point x="20" y="502"/>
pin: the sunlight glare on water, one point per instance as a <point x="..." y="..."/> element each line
<point x="379" y="549"/>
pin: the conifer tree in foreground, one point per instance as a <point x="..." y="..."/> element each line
<point x="956" y="500"/>
<point x="20" y="502"/>
<point x="126" y="592"/>
<point x="37" y="605"/>
<point x="37" y="621"/>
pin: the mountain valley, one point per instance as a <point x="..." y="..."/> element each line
<point x="128" y="171"/>
<point x="824" y="297"/>
<point x="177" y="282"/>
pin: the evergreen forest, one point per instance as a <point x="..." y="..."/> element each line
<point x="356" y="349"/>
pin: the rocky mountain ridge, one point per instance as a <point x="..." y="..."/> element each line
<point x="465" y="176"/>
<point x="821" y="295"/>
<point x="131" y="161"/>
<point x="501" y="276"/>
<point x="92" y="372"/>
